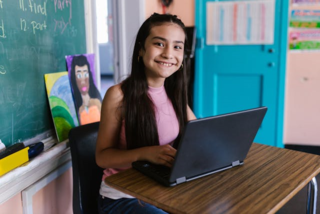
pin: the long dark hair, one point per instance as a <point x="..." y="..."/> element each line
<point x="139" y="114"/>
<point x="81" y="60"/>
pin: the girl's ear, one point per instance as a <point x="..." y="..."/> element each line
<point x="141" y="52"/>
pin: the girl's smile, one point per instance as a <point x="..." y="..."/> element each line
<point x="165" y="64"/>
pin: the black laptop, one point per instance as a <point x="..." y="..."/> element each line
<point x="208" y="145"/>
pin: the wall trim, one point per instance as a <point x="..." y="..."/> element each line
<point x="128" y="17"/>
<point x="91" y="36"/>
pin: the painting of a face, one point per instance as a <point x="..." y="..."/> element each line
<point x="82" y="78"/>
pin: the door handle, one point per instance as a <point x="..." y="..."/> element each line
<point x="271" y="50"/>
<point x="271" y="64"/>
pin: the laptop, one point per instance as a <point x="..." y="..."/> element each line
<point x="207" y="146"/>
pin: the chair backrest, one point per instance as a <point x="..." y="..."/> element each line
<point x="87" y="174"/>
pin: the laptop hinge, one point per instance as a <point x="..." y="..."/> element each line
<point x="181" y="180"/>
<point x="235" y="163"/>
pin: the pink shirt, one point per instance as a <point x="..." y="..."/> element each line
<point x="166" y="119"/>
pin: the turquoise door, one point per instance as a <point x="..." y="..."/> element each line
<point x="236" y="77"/>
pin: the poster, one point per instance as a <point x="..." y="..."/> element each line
<point x="240" y="22"/>
<point x="305" y="19"/>
<point x="309" y="2"/>
<point x="304" y="40"/>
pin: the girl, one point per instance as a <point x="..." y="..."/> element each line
<point x="144" y="115"/>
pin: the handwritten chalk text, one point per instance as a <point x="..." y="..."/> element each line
<point x="61" y="5"/>
<point x="2" y="33"/>
<point x="2" y="70"/>
<point x="12" y="94"/>
<point x="38" y="26"/>
<point x="72" y="31"/>
<point x="60" y="25"/>
<point x="18" y="53"/>
<point x="21" y="5"/>
<point x="23" y="24"/>
<point x="35" y="26"/>
<point x="34" y="8"/>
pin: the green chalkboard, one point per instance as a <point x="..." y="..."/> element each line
<point x="35" y="37"/>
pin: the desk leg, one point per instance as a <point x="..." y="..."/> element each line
<point x="312" y="196"/>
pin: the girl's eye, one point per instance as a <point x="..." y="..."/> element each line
<point x="178" y="47"/>
<point x="86" y="75"/>
<point x="159" y="44"/>
<point x="79" y="76"/>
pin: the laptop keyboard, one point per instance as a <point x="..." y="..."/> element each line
<point x="159" y="170"/>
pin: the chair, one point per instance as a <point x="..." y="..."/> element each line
<point x="86" y="173"/>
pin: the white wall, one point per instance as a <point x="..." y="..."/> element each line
<point x="129" y="16"/>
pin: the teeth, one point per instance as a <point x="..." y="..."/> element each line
<point x="166" y="64"/>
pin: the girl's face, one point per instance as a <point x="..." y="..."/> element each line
<point x="82" y="78"/>
<point x="163" y="54"/>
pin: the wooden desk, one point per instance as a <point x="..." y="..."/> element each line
<point x="268" y="179"/>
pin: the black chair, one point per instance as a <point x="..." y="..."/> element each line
<point x="86" y="173"/>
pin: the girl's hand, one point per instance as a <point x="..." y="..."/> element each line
<point x="162" y="155"/>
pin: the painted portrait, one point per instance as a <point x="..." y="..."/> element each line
<point x="86" y="96"/>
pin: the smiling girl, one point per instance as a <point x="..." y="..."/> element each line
<point x="144" y="115"/>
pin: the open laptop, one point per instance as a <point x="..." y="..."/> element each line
<point x="208" y="145"/>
